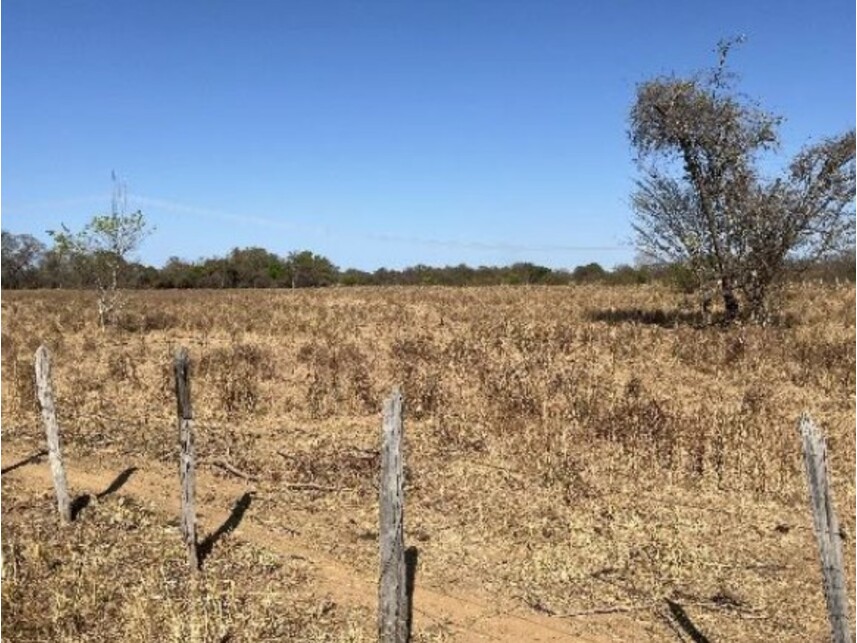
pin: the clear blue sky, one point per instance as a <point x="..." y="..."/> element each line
<point x="378" y="133"/>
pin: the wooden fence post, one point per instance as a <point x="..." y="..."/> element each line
<point x="187" y="459"/>
<point x="45" y="392"/>
<point x="826" y="528"/>
<point x="392" y="590"/>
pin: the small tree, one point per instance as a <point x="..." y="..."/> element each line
<point x="103" y="247"/>
<point x="703" y="201"/>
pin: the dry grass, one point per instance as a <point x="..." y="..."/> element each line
<point x="118" y="574"/>
<point x="569" y="448"/>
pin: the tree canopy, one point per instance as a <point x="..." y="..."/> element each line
<point x="704" y="202"/>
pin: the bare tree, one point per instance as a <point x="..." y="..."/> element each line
<point x="704" y="202"/>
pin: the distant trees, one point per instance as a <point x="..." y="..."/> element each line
<point x="589" y="273"/>
<point x="354" y="277"/>
<point x="21" y="257"/>
<point x="250" y="268"/>
<point x="703" y="201"/>
<point x="841" y="267"/>
<point x="27" y="263"/>
<point x="625" y="275"/>
<point x="253" y="268"/>
<point x="307" y="269"/>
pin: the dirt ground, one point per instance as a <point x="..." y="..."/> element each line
<point x="464" y="614"/>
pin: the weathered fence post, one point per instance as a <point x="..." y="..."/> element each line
<point x="826" y="528"/>
<point x="45" y="392"/>
<point x="392" y="590"/>
<point x="186" y="462"/>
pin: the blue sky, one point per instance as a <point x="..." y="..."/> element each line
<point x="378" y="133"/>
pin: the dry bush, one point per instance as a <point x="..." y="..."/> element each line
<point x="144" y="321"/>
<point x="643" y="426"/>
<point x="19" y="373"/>
<point x="327" y="464"/>
<point x="338" y="380"/>
<point x="235" y="372"/>
<point x="499" y="361"/>
<point x="417" y="364"/>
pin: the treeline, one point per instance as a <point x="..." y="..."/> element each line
<point x="28" y="263"/>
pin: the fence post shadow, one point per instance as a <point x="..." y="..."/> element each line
<point x="32" y="459"/>
<point x="230" y="524"/>
<point x="412" y="556"/>
<point x="117" y="484"/>
<point x="82" y="501"/>
<point x="685" y="623"/>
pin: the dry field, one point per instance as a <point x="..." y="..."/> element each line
<point x="582" y="464"/>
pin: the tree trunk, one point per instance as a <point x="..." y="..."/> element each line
<point x="758" y="294"/>
<point x="730" y="301"/>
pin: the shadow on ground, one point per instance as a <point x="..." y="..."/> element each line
<point x="656" y="317"/>
<point x="79" y="504"/>
<point x="676" y="318"/>
<point x="84" y="500"/>
<point x="117" y="484"/>
<point x="28" y="460"/>
<point x="685" y="623"/>
<point x="238" y="510"/>
<point x="412" y="555"/>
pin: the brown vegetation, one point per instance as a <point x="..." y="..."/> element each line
<point x="569" y="450"/>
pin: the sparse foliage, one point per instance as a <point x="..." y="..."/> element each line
<point x="703" y="200"/>
<point x="102" y="249"/>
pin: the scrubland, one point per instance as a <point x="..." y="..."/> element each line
<point x="589" y="457"/>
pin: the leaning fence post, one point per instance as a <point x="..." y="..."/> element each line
<point x="186" y="462"/>
<point x="49" y="417"/>
<point x="392" y="590"/>
<point x="826" y="528"/>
